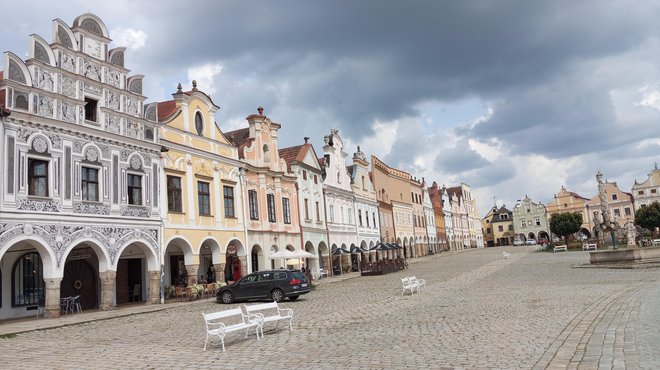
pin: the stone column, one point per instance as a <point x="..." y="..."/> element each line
<point x="192" y="274"/>
<point x="107" y="290"/>
<point x="153" y="295"/>
<point x="219" y="272"/>
<point x="52" y="297"/>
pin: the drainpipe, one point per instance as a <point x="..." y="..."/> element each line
<point x="327" y="229"/>
<point x="243" y="180"/>
<point x="302" y="243"/>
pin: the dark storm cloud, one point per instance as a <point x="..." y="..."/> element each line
<point x="458" y="159"/>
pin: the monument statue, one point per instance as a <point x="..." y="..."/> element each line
<point x="631" y="233"/>
<point x="606" y="225"/>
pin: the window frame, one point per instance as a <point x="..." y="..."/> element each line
<point x="130" y="186"/>
<point x="253" y="204"/>
<point x="92" y="114"/>
<point x="37" y="281"/>
<point x="31" y="177"/>
<point x="228" y="196"/>
<point x="172" y="204"/>
<point x="203" y="195"/>
<point x="272" y="212"/>
<point x="84" y="182"/>
<point x="286" y="210"/>
<point x="199" y="130"/>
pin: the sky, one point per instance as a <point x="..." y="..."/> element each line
<point x="513" y="98"/>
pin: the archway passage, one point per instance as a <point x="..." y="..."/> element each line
<point x="80" y="279"/>
<point x="129" y="280"/>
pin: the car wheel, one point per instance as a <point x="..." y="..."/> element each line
<point x="294" y="297"/>
<point x="227" y="297"/>
<point x="277" y="295"/>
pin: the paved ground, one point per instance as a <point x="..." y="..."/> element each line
<point x="530" y="311"/>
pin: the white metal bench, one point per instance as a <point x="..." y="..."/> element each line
<point x="417" y="283"/>
<point x="505" y="255"/>
<point x="559" y="248"/>
<point x="589" y="246"/>
<point x="274" y="313"/>
<point x="218" y="324"/>
<point x="407" y="285"/>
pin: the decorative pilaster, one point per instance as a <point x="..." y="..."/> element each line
<point x="53" y="297"/>
<point x="107" y="290"/>
<point x="154" y="287"/>
<point x="192" y="274"/>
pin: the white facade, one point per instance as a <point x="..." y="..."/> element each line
<point x="339" y="199"/>
<point x="449" y="222"/>
<point x="530" y="220"/>
<point x="80" y="176"/>
<point x="366" y="205"/>
<point x="647" y="192"/>
<point x="429" y="218"/>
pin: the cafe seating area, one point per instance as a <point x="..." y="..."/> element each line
<point x="193" y="292"/>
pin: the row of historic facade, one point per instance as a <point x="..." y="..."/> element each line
<point x="112" y="198"/>
<point x="530" y="220"/>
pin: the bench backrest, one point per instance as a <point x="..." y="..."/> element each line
<point x="261" y="306"/>
<point x="405" y="281"/>
<point x="223" y="314"/>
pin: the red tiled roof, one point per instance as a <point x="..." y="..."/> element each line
<point x="290" y="155"/>
<point x="239" y="138"/>
<point x="321" y="161"/>
<point x="456" y="190"/>
<point x="166" y="109"/>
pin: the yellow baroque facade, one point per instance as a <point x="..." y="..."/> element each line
<point x="204" y="232"/>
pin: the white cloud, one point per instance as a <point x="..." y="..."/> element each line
<point x="131" y="38"/>
<point x="381" y="143"/>
<point x="205" y="76"/>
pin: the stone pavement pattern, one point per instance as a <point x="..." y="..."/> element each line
<point x="532" y="310"/>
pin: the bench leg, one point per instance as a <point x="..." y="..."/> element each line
<point x="206" y="341"/>
<point x="291" y="324"/>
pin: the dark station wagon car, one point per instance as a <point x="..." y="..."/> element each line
<point x="266" y="285"/>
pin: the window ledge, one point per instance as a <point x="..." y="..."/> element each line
<point x="39" y="197"/>
<point x="232" y="217"/>
<point x="92" y="202"/>
<point x="176" y="212"/>
<point x="205" y="215"/>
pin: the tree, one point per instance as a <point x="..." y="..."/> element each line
<point x="565" y="224"/>
<point x="648" y="217"/>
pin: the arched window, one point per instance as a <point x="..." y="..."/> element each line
<point x="266" y="154"/>
<point x="28" y="280"/>
<point x="199" y="124"/>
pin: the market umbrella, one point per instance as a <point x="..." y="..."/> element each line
<point x="283" y="254"/>
<point x="339" y="252"/>
<point x="293" y="261"/>
<point x="299" y="253"/>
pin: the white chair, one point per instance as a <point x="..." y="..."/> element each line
<point x="407" y="286"/>
<point x="74" y="305"/>
<point x="417" y="283"/>
<point x="322" y="273"/>
<point x="505" y="255"/>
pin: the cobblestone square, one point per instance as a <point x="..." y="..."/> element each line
<point x="529" y="311"/>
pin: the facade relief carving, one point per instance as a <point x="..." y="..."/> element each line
<point x="45" y="106"/>
<point x="68" y="87"/>
<point x="136" y="211"/>
<point x="112" y="100"/>
<point x="91" y="70"/>
<point x="66" y="112"/>
<point x="67" y="62"/>
<point x="23" y="133"/>
<point x="112" y="124"/>
<point x="45" y="80"/>
<point x="113" y="78"/>
<point x="38" y="205"/>
<point x="91" y="209"/>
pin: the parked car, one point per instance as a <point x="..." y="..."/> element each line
<point x="530" y="242"/>
<point x="272" y="285"/>
<point x="518" y="242"/>
<point x="542" y="241"/>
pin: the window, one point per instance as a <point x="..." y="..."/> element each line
<point x="360" y="217"/>
<point x="614" y="197"/>
<point x="228" y="192"/>
<point x="654" y="191"/>
<point x="90" y="109"/>
<point x="627" y="211"/>
<point x="286" y="210"/>
<point x="304" y="175"/>
<point x="510" y="227"/>
<point x="350" y="215"/>
<point x="341" y="214"/>
<point x="363" y="186"/>
<point x="412" y="195"/>
<point x="90" y="184"/>
<point x="203" y="198"/>
<point x="28" y="281"/>
<point x="199" y="124"/>
<point x="332" y="213"/>
<point x="641" y="192"/>
<point x="271" y="207"/>
<point x="523" y="223"/>
<point x="174" y="194"/>
<point x="488" y="230"/>
<point x="374" y="218"/>
<point x="366" y="216"/>
<point x="306" y="209"/>
<point x="318" y="212"/>
<point x="316" y="181"/>
<point x="254" y="207"/>
<point x="617" y="212"/>
<point x="500" y="228"/>
<point x="38" y="177"/>
<point x="135" y="190"/>
<point x="537" y="221"/>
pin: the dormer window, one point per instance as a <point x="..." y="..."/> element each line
<point x="199" y="124"/>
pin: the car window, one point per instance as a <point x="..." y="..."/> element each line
<point x="249" y="279"/>
<point x="267" y="276"/>
<point x="279" y="275"/>
<point x="299" y="275"/>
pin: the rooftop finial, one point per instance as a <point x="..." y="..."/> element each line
<point x="306" y="138"/>
<point x="261" y="111"/>
<point x="194" y="85"/>
<point x="178" y="88"/>
<point x="358" y="148"/>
